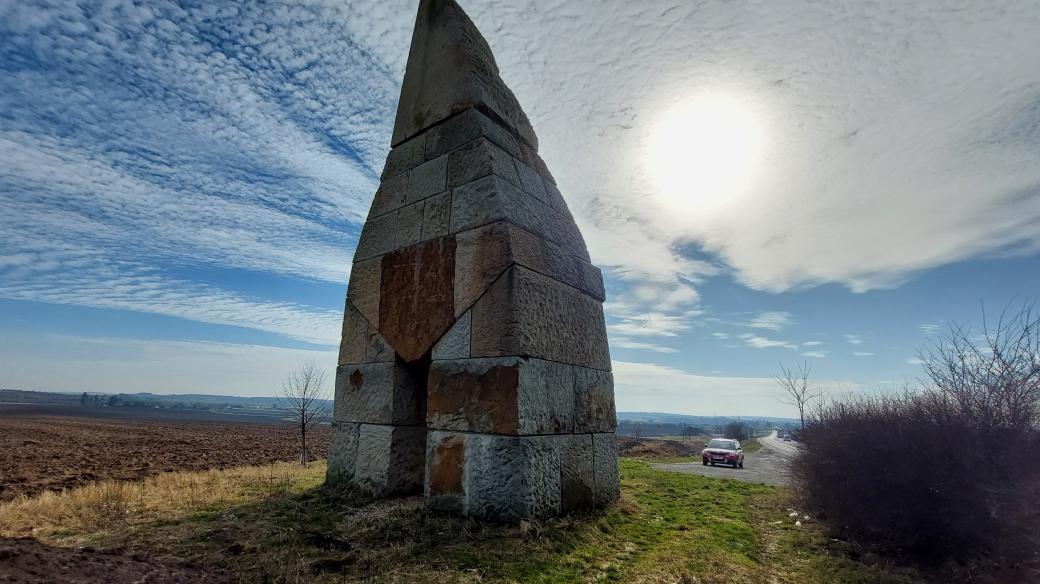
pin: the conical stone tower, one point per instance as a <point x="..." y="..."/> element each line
<point x="474" y="364"/>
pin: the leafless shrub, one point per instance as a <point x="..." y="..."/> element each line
<point x="304" y="390"/>
<point x="938" y="470"/>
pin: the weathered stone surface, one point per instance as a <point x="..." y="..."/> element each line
<point x="546" y="397"/>
<point x="506" y="395"/>
<point x="577" y="481"/>
<point x="491" y="199"/>
<point x="605" y="468"/>
<point x="354" y="337"/>
<point x="526" y="313"/>
<point x="390" y="459"/>
<point x="416" y="296"/>
<point x="342" y="452"/>
<point x="530" y="157"/>
<point x="436" y="216"/>
<point x="465" y="127"/>
<point x="474" y="395"/>
<point x="405" y="156"/>
<point x="483" y="253"/>
<point x="377" y="237"/>
<point x="451" y="69"/>
<point x="409" y="225"/>
<point x="554" y="197"/>
<point x="477" y="159"/>
<point x="379" y="351"/>
<point x="594" y="401"/>
<point x="363" y="289"/>
<point x="495" y="481"/>
<point x="378" y="393"/>
<point x="455" y="343"/>
<point x="531" y="182"/>
<point x="427" y="179"/>
<point x="542" y="473"/>
<point x="390" y="195"/>
<point x="446" y="471"/>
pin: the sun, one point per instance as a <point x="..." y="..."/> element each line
<point x="705" y="152"/>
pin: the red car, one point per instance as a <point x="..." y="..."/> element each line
<point x="723" y="451"/>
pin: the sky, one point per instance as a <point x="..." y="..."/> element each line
<point x="182" y="184"/>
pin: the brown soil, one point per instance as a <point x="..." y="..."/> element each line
<point x="40" y="454"/>
<point x="27" y="561"/>
<point x="652" y="448"/>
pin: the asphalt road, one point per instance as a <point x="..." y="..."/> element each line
<point x="769" y="465"/>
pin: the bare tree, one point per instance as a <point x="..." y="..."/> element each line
<point x="796" y="389"/>
<point x="304" y="390"/>
<point x="990" y="377"/>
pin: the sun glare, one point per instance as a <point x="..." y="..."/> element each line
<point x="705" y="152"/>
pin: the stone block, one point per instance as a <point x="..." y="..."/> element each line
<point x="526" y="313"/>
<point x="409" y="225"/>
<point x="427" y="179"/>
<point x="511" y="478"/>
<point x="342" y="453"/>
<point x="450" y="69"/>
<point x="506" y="395"/>
<point x="594" y="401"/>
<point x="502" y="396"/>
<point x="353" y="345"/>
<point x="436" y="216"/>
<point x="531" y="182"/>
<point x="605" y="468"/>
<point x="477" y="159"/>
<point x="465" y="127"/>
<point x="446" y="471"/>
<point x="491" y="199"/>
<point x="455" y="343"/>
<point x="577" y="481"/>
<point x="390" y="459"/>
<point x="377" y="237"/>
<point x="530" y="157"/>
<point x="363" y="288"/>
<point x="416" y="304"/>
<point x="405" y="156"/>
<point x="555" y="199"/>
<point x="474" y="395"/>
<point x="378" y="393"/>
<point x="483" y="253"/>
<point x="390" y="195"/>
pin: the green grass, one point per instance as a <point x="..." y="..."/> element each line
<point x="667" y="527"/>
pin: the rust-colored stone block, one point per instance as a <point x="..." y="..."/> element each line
<point x="474" y="396"/>
<point x="416" y="296"/>
<point x="447" y="466"/>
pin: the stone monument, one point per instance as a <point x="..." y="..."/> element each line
<point x="474" y="364"/>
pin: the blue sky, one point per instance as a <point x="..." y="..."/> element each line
<point x="182" y="185"/>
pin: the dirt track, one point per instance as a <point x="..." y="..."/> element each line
<point x="50" y="453"/>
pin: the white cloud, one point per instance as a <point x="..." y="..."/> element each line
<point x="625" y="343"/>
<point x="815" y="354"/>
<point x="653" y="387"/>
<point x="914" y="361"/>
<point x="773" y="321"/>
<point x="812" y="343"/>
<point x="854" y="339"/>
<point x="930" y="329"/>
<point x="130" y="365"/>
<point x="869" y="139"/>
<point x="759" y="342"/>
<point x="862" y="354"/>
<point x="720" y="336"/>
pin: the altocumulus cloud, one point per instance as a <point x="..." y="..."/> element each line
<point x="138" y="139"/>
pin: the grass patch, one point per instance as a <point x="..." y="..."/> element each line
<point x="277" y="524"/>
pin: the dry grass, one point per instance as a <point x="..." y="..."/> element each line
<point x="108" y="506"/>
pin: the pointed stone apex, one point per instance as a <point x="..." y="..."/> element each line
<point x="451" y="69"/>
